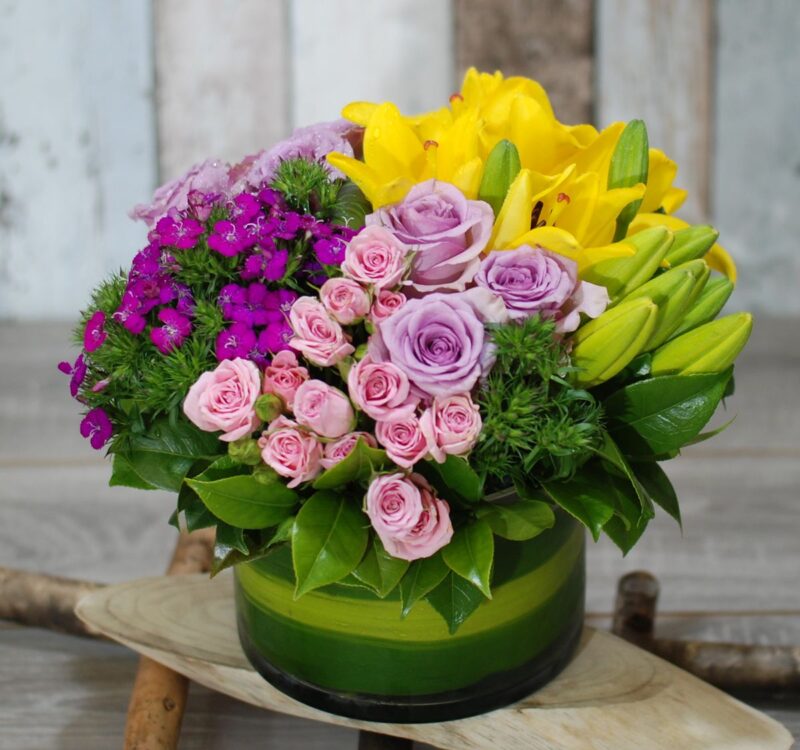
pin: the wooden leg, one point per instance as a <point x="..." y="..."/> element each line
<point x="375" y="741"/>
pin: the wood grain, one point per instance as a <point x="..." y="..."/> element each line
<point x="611" y="693"/>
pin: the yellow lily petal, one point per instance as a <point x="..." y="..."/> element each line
<point x="363" y="176"/>
<point x="514" y="218"/>
<point x="551" y="238"/>
<point x="359" y="112"/>
<point x="661" y="172"/>
<point x="674" y="199"/>
<point x="390" y="144"/>
<point x="467" y="178"/>
<point x="607" y="208"/>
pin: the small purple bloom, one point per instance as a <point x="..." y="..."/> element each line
<point x="244" y="208"/>
<point x="128" y="314"/>
<point x="330" y="251"/>
<point x="271" y="197"/>
<point x="174" y="331"/>
<point x="231" y="296"/>
<point x="95" y="334"/>
<point x="269" y="265"/>
<point x="96" y="426"/>
<point x="185" y="304"/>
<point x="179" y="233"/>
<point x="275" y="337"/>
<point x="291" y="225"/>
<point x="235" y="341"/>
<point x="147" y="262"/>
<point x="228" y="239"/>
<point x="77" y="373"/>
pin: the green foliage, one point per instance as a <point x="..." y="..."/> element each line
<point x="423" y="576"/>
<point x="455" y="599"/>
<point x="359" y="465"/>
<point x="307" y="186"/>
<point x="519" y="521"/>
<point x="534" y="422"/>
<point x="470" y="554"/>
<point x="455" y="475"/>
<point x="351" y="206"/>
<point x="379" y="570"/>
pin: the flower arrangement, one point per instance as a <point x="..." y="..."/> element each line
<point x="389" y="340"/>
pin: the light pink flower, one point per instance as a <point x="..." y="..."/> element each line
<point x="375" y="257"/>
<point x="410" y="520"/>
<point x="291" y="452"/>
<point x="589" y="299"/>
<point x="284" y="376"/>
<point x="340" y="449"/>
<point x="404" y="440"/>
<point x="224" y="399"/>
<point x="386" y="303"/>
<point x="323" y="409"/>
<point x="381" y="390"/>
<point x="451" y="426"/>
<point x="317" y="336"/>
<point x="346" y="300"/>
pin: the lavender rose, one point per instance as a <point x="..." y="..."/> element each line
<point x="533" y="280"/>
<point x="447" y="231"/>
<point x="437" y="341"/>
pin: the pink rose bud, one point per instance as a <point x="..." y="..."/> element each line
<point x="317" y="336"/>
<point x="345" y="300"/>
<point x="340" y="449"/>
<point x="404" y="440"/>
<point x="381" y="390"/>
<point x="283" y="376"/>
<point x="323" y="409"/>
<point x="386" y="303"/>
<point x="410" y="520"/>
<point x="451" y="425"/>
<point x="224" y="399"/>
<point x="374" y="257"/>
<point x="291" y="452"/>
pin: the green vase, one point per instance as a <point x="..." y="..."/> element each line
<point x="344" y="650"/>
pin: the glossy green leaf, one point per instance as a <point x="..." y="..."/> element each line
<point x="351" y="206"/>
<point x="360" y="464"/>
<point x="470" y="554"/>
<point x="629" y="166"/>
<point x="580" y="498"/>
<point x="195" y="513"/>
<point x="456" y="475"/>
<point x="422" y="577"/>
<point x="255" y="545"/>
<point x="609" y="451"/>
<point x="625" y="537"/>
<point x="124" y="475"/>
<point x="244" y="502"/>
<point x="232" y="537"/>
<point x="379" y="570"/>
<point x="455" y="599"/>
<point x="518" y="521"/>
<point x="659" y="415"/>
<point x="659" y="488"/>
<point x="329" y="539"/>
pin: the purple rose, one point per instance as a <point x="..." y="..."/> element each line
<point x="447" y="231"/>
<point x="437" y="341"/>
<point x="533" y="280"/>
<point x="210" y="176"/>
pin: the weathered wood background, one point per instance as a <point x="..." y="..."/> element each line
<point x="100" y="99"/>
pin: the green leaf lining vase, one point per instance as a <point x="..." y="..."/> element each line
<point x="343" y="650"/>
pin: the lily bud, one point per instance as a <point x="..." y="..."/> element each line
<point x="707" y="306"/>
<point x="709" y="348"/>
<point x="502" y="166"/>
<point x="622" y="275"/>
<point x="269" y="407"/>
<point x="629" y="166"/>
<point x="605" y="345"/>
<point x="691" y="243"/>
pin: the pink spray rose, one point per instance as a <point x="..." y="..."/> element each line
<point x="323" y="409"/>
<point x="346" y="300"/>
<point x="410" y="520"/>
<point x="386" y="303"/>
<point x="380" y="390"/>
<point x="317" y="336"/>
<point x="451" y="426"/>
<point x="210" y="176"/>
<point x="284" y="376"/>
<point x="340" y="449"/>
<point x="292" y="452"/>
<point x="531" y="280"/>
<point x="224" y="399"/>
<point x="375" y="257"/>
<point x="446" y="231"/>
<point x="404" y="440"/>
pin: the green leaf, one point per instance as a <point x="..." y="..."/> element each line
<point x="244" y="502"/>
<point x="283" y="532"/>
<point x="659" y="415"/>
<point x="703" y="436"/>
<point x="457" y="475"/>
<point x="660" y="489"/>
<point x="124" y="475"/>
<point x="422" y="577"/>
<point x="471" y="554"/>
<point x="379" y="570"/>
<point x="629" y="166"/>
<point x="455" y="599"/>
<point x="328" y="540"/>
<point x="579" y="497"/>
<point x="610" y="452"/>
<point x="230" y="536"/>
<point x="519" y="521"/>
<point x="351" y="206"/>
<point x="195" y="513"/>
<point x="625" y="537"/>
<point x="359" y="465"/>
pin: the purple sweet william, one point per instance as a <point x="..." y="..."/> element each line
<point x="447" y="231"/>
<point x="531" y="280"/>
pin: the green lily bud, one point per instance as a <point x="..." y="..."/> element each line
<point x="707" y="306"/>
<point x="605" y="345"/>
<point x="502" y="166"/>
<point x="269" y="407"/>
<point x="629" y="166"/>
<point x="691" y="243"/>
<point x="673" y="292"/>
<point x="245" y="451"/>
<point x="709" y="348"/>
<point x="622" y="275"/>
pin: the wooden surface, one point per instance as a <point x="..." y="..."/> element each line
<point x="612" y="694"/>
